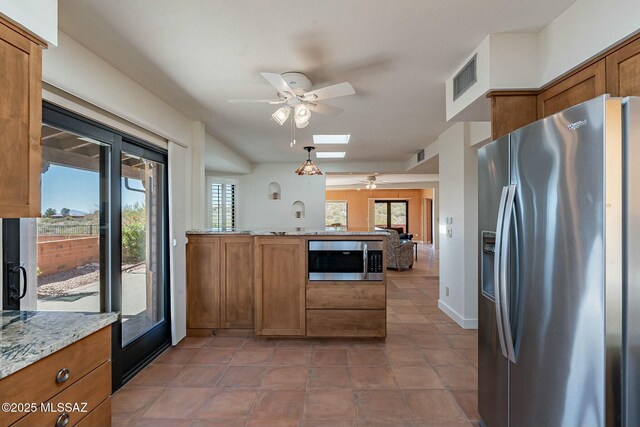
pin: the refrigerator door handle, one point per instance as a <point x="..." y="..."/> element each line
<point x="504" y="263"/>
<point x="496" y="271"/>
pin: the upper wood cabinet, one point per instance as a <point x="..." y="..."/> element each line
<point x="280" y="278"/>
<point x="203" y="282"/>
<point x="575" y="89"/>
<point x="623" y="70"/>
<point x="511" y="110"/>
<point x="236" y="272"/>
<point x="20" y="123"/>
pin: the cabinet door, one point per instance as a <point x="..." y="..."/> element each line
<point x="623" y="70"/>
<point x="510" y="110"/>
<point x="203" y="282"/>
<point x="280" y="266"/>
<point x="236" y="272"/>
<point x="20" y="125"/>
<point x="573" y="90"/>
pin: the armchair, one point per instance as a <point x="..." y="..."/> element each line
<point x="399" y="252"/>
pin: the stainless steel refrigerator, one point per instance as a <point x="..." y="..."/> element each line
<point x="559" y="206"/>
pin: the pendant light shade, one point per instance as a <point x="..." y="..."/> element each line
<point x="308" y="167"/>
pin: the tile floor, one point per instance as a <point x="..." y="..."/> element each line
<point x="424" y="374"/>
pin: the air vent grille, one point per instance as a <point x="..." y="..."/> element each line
<point x="420" y="155"/>
<point x="465" y="78"/>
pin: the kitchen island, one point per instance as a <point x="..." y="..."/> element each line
<point x="258" y="282"/>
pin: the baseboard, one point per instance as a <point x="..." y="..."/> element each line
<point x="464" y="323"/>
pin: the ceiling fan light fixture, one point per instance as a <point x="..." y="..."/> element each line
<point x="301" y="115"/>
<point x="302" y="111"/>
<point x="301" y="124"/>
<point x="308" y="167"/>
<point x="281" y="115"/>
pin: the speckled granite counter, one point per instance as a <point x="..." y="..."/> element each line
<point x="28" y="336"/>
<point x="298" y="231"/>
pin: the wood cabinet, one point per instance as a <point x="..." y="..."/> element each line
<point x="203" y="282"/>
<point x="220" y="282"/>
<point x="20" y="122"/>
<point x="349" y="295"/>
<point x="623" y="70"/>
<point x="511" y="110"/>
<point x="88" y="379"/>
<point x="236" y="271"/>
<point x="280" y="278"/>
<point x="346" y="309"/>
<point x="346" y="323"/>
<point x="579" y="87"/>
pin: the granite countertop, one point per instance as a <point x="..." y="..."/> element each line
<point x="295" y="231"/>
<point x="28" y="336"/>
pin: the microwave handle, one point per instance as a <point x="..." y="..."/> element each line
<point x="365" y="258"/>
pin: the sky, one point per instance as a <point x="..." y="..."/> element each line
<point x="64" y="187"/>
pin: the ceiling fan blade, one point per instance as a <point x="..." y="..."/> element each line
<point x="334" y="91"/>
<point x="279" y="83"/>
<point x="266" y="101"/>
<point x="329" y="110"/>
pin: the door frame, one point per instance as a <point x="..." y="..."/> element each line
<point x="389" y="201"/>
<point x="128" y="360"/>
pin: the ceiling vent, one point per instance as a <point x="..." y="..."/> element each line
<point x="465" y="78"/>
<point x="420" y="155"/>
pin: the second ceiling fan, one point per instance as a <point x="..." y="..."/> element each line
<point x="293" y="90"/>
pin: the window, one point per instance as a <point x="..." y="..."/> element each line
<point x="222" y="211"/>
<point x="391" y="213"/>
<point x="336" y="214"/>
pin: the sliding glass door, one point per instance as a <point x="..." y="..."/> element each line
<point x="144" y="300"/>
<point x="101" y="243"/>
<point x="392" y="214"/>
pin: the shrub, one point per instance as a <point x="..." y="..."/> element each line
<point x="133" y="234"/>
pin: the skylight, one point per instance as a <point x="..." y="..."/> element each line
<point x="331" y="139"/>
<point x="330" y="154"/>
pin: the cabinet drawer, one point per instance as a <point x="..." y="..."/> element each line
<point x="346" y="323"/>
<point x="346" y="295"/>
<point x="93" y="389"/>
<point x="101" y="416"/>
<point x="37" y="383"/>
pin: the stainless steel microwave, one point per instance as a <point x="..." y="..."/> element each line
<point x="345" y="260"/>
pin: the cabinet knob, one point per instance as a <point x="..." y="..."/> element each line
<point x="63" y="375"/>
<point x="63" y="420"/>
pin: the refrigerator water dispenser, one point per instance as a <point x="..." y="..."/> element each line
<point x="488" y="254"/>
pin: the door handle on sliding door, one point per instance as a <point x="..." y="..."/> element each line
<point x="496" y="270"/>
<point x="504" y="263"/>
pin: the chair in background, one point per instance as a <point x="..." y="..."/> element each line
<point x="399" y="252"/>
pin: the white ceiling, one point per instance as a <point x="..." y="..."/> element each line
<point x="197" y="54"/>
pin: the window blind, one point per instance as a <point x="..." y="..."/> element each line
<point x="223" y="206"/>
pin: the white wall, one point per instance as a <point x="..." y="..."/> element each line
<point x="78" y="71"/>
<point x="221" y="159"/>
<point x="458" y="200"/>
<point x="585" y="29"/>
<point x="256" y="210"/>
<point x="40" y="17"/>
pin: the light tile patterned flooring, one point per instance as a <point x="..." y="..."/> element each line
<point x="424" y="374"/>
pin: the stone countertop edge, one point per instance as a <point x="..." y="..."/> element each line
<point x="287" y="233"/>
<point x="29" y="336"/>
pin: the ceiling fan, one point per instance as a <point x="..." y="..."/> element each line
<point x="294" y="92"/>
<point x="371" y="183"/>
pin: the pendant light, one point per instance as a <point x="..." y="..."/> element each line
<point x="308" y="167"/>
